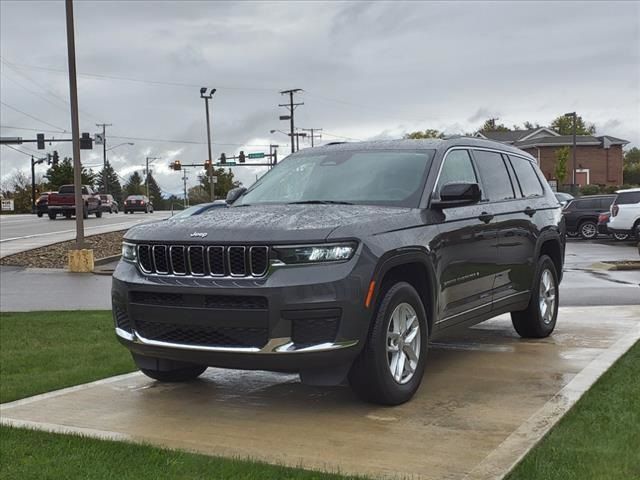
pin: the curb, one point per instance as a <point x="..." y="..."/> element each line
<point x="102" y="261"/>
<point x="628" y="266"/>
<point x="105" y="261"/>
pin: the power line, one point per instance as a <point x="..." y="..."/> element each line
<point x="17" y="150"/>
<point x="34" y="118"/>
<point x="341" y="136"/>
<point x="138" y="80"/>
<point x="39" y="130"/>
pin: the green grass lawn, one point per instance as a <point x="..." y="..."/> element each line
<point x="45" y="351"/>
<point x="600" y="437"/>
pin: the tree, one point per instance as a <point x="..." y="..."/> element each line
<point x="113" y="182"/>
<point x="428" y="133"/>
<point x="492" y="125"/>
<point x="560" y="168"/>
<point x="631" y="169"/>
<point x="564" y="126"/>
<point x="62" y="174"/>
<point x="134" y="185"/>
<point x="225" y="183"/>
<point x="531" y="126"/>
<point x="155" y="194"/>
<point x="18" y="189"/>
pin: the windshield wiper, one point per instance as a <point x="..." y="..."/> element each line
<point x="320" y="202"/>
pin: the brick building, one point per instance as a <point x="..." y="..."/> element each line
<point x="598" y="158"/>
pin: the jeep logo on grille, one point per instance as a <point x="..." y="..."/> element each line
<point x="199" y="234"/>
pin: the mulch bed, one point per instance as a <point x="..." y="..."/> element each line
<point x="55" y="256"/>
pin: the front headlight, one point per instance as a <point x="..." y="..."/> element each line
<point x="335" y="252"/>
<point x="129" y="252"/>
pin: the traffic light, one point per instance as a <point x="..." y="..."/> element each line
<point x="223" y="158"/>
<point x="40" y="141"/>
<point x="86" y="142"/>
<point x="176" y="165"/>
<point x="55" y="158"/>
<point x="241" y="157"/>
<point x="48" y="159"/>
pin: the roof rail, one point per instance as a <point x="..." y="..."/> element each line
<point x="334" y="143"/>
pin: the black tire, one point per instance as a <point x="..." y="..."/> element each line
<point x="67" y="215"/>
<point x="39" y="214"/>
<point x="85" y="212"/>
<point x="180" y="375"/>
<point x="370" y="375"/>
<point x="52" y="216"/>
<point x="572" y="234"/>
<point x="530" y="323"/>
<point x="588" y="230"/>
<point x="146" y="210"/>
<point x="98" y="213"/>
<point x="621" y="237"/>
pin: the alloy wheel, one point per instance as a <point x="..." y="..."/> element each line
<point x="403" y="343"/>
<point x="547" y="296"/>
<point x="588" y="230"/>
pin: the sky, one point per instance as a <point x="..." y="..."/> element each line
<point x="368" y="70"/>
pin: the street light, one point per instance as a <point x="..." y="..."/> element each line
<point x="574" y="187"/>
<point x="297" y="135"/>
<point x="146" y="180"/>
<point x="203" y="94"/>
<point x="119" y="145"/>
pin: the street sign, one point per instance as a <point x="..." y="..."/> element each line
<point x="99" y="139"/>
<point x="7" y="205"/>
<point x="256" y="155"/>
<point x="214" y="179"/>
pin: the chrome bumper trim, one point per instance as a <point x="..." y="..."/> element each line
<point x="275" y="345"/>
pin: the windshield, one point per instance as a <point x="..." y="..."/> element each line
<point x="375" y="177"/>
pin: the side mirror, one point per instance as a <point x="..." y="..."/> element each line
<point x="458" y="194"/>
<point x="234" y="194"/>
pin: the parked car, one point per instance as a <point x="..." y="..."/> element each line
<point x="625" y="212"/>
<point x="137" y="203"/>
<point x="200" y="209"/>
<point x="563" y="198"/>
<point x="581" y="214"/>
<point x="42" y="203"/>
<point x="603" y="228"/>
<point x="109" y="204"/>
<point x="64" y="202"/>
<point x="343" y="261"/>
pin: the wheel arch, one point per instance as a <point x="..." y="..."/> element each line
<point x="551" y="245"/>
<point x="411" y="265"/>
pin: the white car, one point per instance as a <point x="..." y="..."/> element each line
<point x="625" y="212"/>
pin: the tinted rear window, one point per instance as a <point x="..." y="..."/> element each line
<point x="66" y="189"/>
<point x="496" y="184"/>
<point x="529" y="182"/>
<point x="626" y="198"/>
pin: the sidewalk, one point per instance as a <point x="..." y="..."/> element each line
<point x="27" y="289"/>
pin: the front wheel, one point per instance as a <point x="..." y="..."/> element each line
<point x="389" y="369"/>
<point x="180" y="375"/>
<point x="39" y="214"/>
<point x="98" y="213"/>
<point x="52" y="216"/>
<point x="588" y="230"/>
<point x="538" y="320"/>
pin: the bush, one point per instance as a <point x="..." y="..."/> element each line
<point x="589" y="190"/>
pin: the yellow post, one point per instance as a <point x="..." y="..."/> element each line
<point x="81" y="261"/>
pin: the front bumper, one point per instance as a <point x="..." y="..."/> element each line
<point x="294" y="319"/>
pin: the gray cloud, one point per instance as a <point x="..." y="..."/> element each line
<point x="369" y="70"/>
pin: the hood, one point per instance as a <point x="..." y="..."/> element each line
<point x="276" y="223"/>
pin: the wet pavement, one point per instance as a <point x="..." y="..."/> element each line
<point x="486" y="398"/>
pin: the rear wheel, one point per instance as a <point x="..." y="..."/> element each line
<point x="85" y="212"/>
<point x="538" y="320"/>
<point x="389" y="369"/>
<point x="621" y="237"/>
<point x="98" y="213"/>
<point x="588" y="230"/>
<point x="67" y="215"/>
<point x="39" y="214"/>
<point x="52" y="216"/>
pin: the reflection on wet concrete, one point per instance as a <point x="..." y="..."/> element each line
<point x="480" y="385"/>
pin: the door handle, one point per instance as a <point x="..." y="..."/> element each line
<point x="485" y="217"/>
<point x="530" y="211"/>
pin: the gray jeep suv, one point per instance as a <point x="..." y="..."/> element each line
<point x="343" y="262"/>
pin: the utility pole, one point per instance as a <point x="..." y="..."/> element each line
<point x="574" y="186"/>
<point x="146" y="178"/>
<point x="33" y="185"/>
<point x="75" y="125"/>
<point x="291" y="107"/>
<point x="312" y="134"/>
<point x="185" y="201"/>
<point x="104" y="155"/>
<point x="206" y="97"/>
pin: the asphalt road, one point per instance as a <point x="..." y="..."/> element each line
<point x="583" y="285"/>
<point x="24" y="232"/>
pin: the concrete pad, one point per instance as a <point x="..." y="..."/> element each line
<point x="486" y="399"/>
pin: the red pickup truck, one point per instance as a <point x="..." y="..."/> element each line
<point x="64" y="202"/>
